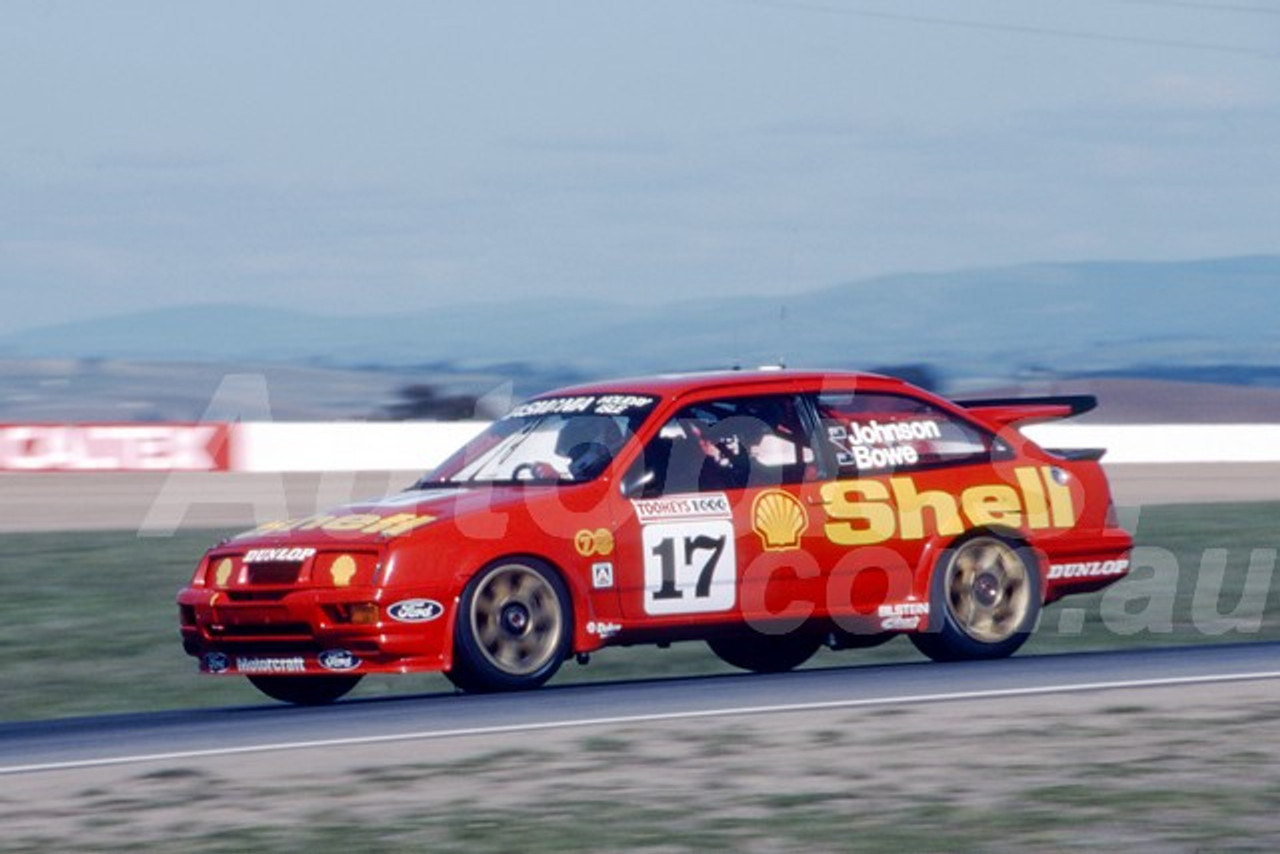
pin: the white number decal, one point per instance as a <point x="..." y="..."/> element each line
<point x="689" y="567"/>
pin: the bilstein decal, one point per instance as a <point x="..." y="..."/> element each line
<point x="865" y="512"/>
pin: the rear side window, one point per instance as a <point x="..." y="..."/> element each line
<point x="870" y="434"/>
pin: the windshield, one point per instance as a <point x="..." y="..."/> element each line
<point x="549" y="440"/>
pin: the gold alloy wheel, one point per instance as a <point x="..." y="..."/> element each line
<point x="988" y="590"/>
<point x="517" y="619"/>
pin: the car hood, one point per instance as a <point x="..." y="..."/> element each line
<point x="394" y="516"/>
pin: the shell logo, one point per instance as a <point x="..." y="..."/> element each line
<point x="343" y="569"/>
<point x="779" y="518"/>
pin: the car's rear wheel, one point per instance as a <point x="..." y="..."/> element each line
<point x="304" y="690"/>
<point x="984" y="601"/>
<point x="513" y="629"/>
<point x="765" y="653"/>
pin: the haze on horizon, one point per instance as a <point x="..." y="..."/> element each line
<point x="352" y="158"/>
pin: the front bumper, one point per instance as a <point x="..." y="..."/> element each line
<point x="316" y="631"/>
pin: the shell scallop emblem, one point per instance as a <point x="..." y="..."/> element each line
<point x="779" y="518"/>
<point x="342" y="570"/>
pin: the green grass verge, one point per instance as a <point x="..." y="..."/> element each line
<point x="88" y="623"/>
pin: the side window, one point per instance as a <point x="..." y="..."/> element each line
<point x="869" y="434"/>
<point x="728" y="444"/>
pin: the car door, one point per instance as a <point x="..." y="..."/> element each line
<point x="715" y="529"/>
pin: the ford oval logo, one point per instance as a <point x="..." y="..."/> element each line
<point x="338" y="659"/>
<point x="415" y="610"/>
<point x="216" y="662"/>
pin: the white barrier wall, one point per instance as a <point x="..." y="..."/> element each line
<point x="1166" y="443"/>
<point x="406" y="446"/>
<point x="373" y="446"/>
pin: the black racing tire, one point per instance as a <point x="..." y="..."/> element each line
<point x="305" y="690"/>
<point x="985" y="599"/>
<point x="514" y="627"/>
<point x="850" y="640"/>
<point x="765" y="653"/>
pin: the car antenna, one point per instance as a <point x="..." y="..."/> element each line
<point x="782" y="336"/>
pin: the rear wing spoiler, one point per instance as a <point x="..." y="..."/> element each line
<point x="1010" y="411"/>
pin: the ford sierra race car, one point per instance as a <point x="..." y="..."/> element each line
<point x="767" y="513"/>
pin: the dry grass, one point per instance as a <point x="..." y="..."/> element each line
<point x="1151" y="770"/>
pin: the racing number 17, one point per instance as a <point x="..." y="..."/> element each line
<point x="689" y="567"/>
<point x="665" y="551"/>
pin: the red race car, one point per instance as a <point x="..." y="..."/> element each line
<point x="767" y="513"/>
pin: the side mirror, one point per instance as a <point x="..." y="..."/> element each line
<point x="635" y="482"/>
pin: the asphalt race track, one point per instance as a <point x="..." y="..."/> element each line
<point x="32" y="747"/>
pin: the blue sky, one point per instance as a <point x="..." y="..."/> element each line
<point x="391" y="156"/>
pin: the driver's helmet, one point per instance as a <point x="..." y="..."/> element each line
<point x="589" y="442"/>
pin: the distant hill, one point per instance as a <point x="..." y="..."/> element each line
<point x="105" y="390"/>
<point x="974" y="325"/>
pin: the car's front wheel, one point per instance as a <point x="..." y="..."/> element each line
<point x="984" y="602"/>
<point x="304" y="690"/>
<point x="514" y="627"/>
